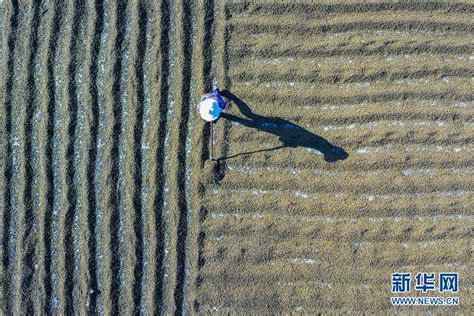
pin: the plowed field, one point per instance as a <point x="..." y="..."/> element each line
<point x="345" y="155"/>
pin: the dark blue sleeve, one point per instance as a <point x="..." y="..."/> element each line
<point x="220" y="100"/>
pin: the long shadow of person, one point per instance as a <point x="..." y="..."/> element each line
<point x="290" y="134"/>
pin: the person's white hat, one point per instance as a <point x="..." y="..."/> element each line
<point x="209" y="110"/>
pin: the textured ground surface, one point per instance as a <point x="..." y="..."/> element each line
<point x="346" y="154"/>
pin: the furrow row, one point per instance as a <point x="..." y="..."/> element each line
<point x="308" y="203"/>
<point x="342" y="229"/>
<point x="289" y="28"/>
<point x="103" y="199"/>
<point x="179" y="168"/>
<point x="20" y="180"/>
<point x="155" y="106"/>
<point x="329" y="7"/>
<point x="40" y="158"/>
<point x="9" y="23"/>
<point x="76" y="147"/>
<point x="363" y="50"/>
<point x="352" y="63"/>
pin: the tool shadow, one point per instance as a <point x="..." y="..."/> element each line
<point x="291" y="135"/>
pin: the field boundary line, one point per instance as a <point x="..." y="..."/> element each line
<point x="203" y="71"/>
<point x="224" y="68"/>
<point x="215" y="26"/>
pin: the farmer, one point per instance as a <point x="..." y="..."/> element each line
<point x="210" y="107"/>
